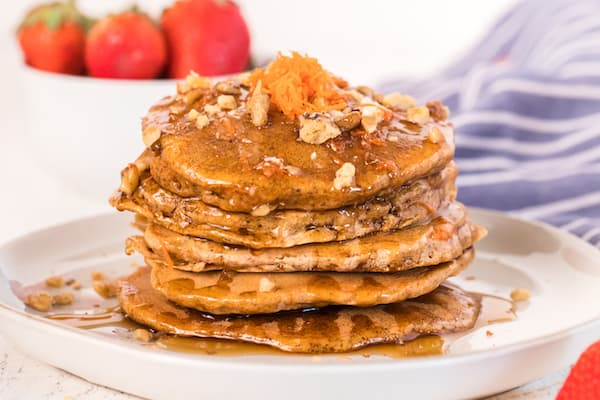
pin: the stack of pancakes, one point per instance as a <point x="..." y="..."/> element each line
<point x="285" y="207"/>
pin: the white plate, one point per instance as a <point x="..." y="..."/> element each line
<point x="561" y="271"/>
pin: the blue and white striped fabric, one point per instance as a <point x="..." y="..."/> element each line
<point x="526" y="106"/>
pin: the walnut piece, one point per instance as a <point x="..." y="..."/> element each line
<point x="55" y="281"/>
<point x="520" y="294"/>
<point x="397" y="100"/>
<point x="437" y="110"/>
<point x="97" y="276"/>
<point x="105" y="289"/>
<point x="142" y="335"/>
<point x="212" y="109"/>
<point x="130" y="178"/>
<point x="349" y="121"/>
<point x="258" y="104"/>
<point x="344" y="177"/>
<point x="192" y="115"/>
<point x="151" y="134"/>
<point x="420" y="115"/>
<point x="63" y="299"/>
<point x="317" y="129"/>
<point x="195" y="81"/>
<point x="226" y="102"/>
<point x="228" y="87"/>
<point x="41" y="301"/>
<point x="202" y="121"/>
<point x="371" y="116"/>
<point x="435" y="135"/>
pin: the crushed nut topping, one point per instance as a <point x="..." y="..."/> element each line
<point x="258" y="104"/>
<point x="202" y="121"/>
<point x="192" y="115"/>
<point x="420" y="115"/>
<point x="244" y="78"/>
<point x="151" y="134"/>
<point x="272" y="165"/>
<point x="226" y="102"/>
<point x="265" y="285"/>
<point x="435" y="135"/>
<point x="520" y="294"/>
<point x="371" y="116"/>
<point x="76" y="285"/>
<point x="194" y="81"/>
<point x="212" y="109"/>
<point x="97" y="276"/>
<point x="228" y="87"/>
<point x="317" y="128"/>
<point x="438" y="111"/>
<point x="397" y="100"/>
<point x="41" y="301"/>
<point x="63" y="299"/>
<point x="54" y="281"/>
<point x="105" y="289"/>
<point x="130" y="178"/>
<point x="344" y="177"/>
<point x="349" y="121"/>
<point x="142" y="335"/>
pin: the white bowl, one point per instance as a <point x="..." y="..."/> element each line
<point x="84" y="130"/>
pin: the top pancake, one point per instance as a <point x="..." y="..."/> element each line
<point x="231" y="163"/>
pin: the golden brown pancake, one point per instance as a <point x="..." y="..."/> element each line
<point x="440" y="240"/>
<point x="222" y="163"/>
<point x="335" y="329"/>
<point x="286" y="228"/>
<point x="260" y="293"/>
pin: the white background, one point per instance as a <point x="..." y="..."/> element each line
<point x="363" y="41"/>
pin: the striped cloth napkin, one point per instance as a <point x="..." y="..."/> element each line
<point x="526" y="106"/>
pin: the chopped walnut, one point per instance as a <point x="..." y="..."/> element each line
<point x="194" y="81"/>
<point x="105" y="289"/>
<point x="420" y="115"/>
<point x="202" y="121"/>
<point x="244" y="79"/>
<point x="142" y="335"/>
<point x="63" y="299"/>
<point x="317" y="129"/>
<point x="344" y="177"/>
<point x="192" y="115"/>
<point x="397" y="100"/>
<point x="265" y="285"/>
<point x="489" y="333"/>
<point x="228" y="87"/>
<point x="348" y="121"/>
<point x="438" y="111"/>
<point x="226" y="102"/>
<point x="520" y="294"/>
<point x="258" y="104"/>
<point x="371" y="116"/>
<point x="41" y="301"/>
<point x="55" y="281"/>
<point x="212" y="109"/>
<point x="435" y="135"/>
<point x="76" y="285"/>
<point x="130" y="178"/>
<point x="97" y="276"/>
<point x="151" y="134"/>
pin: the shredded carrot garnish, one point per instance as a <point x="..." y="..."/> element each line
<point x="299" y="84"/>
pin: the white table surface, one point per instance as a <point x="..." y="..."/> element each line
<point x="32" y="199"/>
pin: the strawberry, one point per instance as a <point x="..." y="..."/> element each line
<point x="126" y="46"/>
<point x="52" y="38"/>
<point x="206" y="36"/>
<point x="583" y="382"/>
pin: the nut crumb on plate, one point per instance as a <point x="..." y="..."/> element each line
<point x="54" y="281"/>
<point x="41" y="301"/>
<point x="142" y="335"/>
<point x="489" y="333"/>
<point x="63" y="299"/>
<point x="105" y="289"/>
<point x="520" y="294"/>
<point x="97" y="276"/>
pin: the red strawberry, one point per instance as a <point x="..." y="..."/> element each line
<point x="583" y="382"/>
<point x="52" y="37"/>
<point x="126" y="46"/>
<point x="207" y="36"/>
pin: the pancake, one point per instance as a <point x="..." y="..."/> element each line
<point x="288" y="228"/>
<point x="328" y="330"/>
<point x="238" y="164"/>
<point x="440" y="240"/>
<point x="261" y="293"/>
